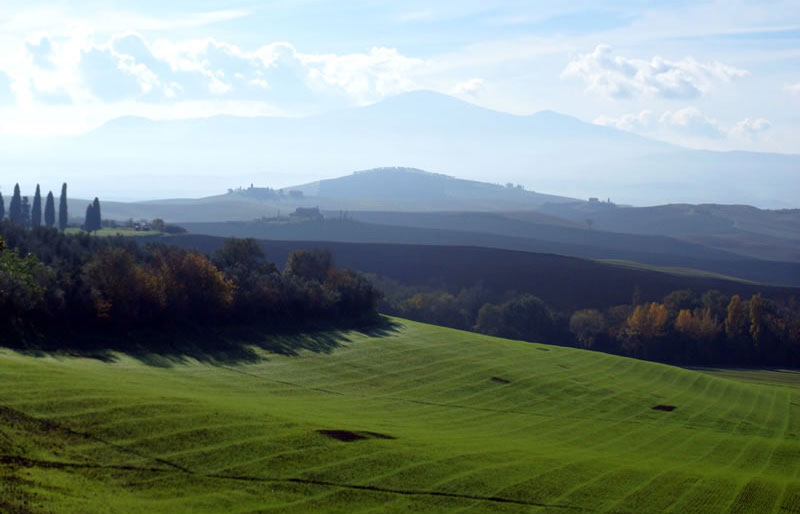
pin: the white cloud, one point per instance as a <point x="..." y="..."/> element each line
<point x="631" y="122"/>
<point x="363" y="77"/>
<point x="128" y="69"/>
<point x="6" y="93"/>
<point x="469" y="88"/>
<point x="41" y="53"/>
<point x="691" y="120"/>
<point x="688" y="122"/>
<point x="622" y="77"/>
<point x="793" y="88"/>
<point x="749" y="128"/>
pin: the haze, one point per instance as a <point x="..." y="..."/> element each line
<point x="718" y="76"/>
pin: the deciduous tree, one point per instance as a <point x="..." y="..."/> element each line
<point x="736" y="321"/>
<point x="586" y="325"/>
<point x="756" y="309"/>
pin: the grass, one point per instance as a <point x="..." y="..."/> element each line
<point x="116" y="231"/>
<point x="674" y="270"/>
<point x="446" y="421"/>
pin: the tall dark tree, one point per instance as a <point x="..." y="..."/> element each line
<point x="36" y="210"/>
<point x="50" y="210"/>
<point x="87" y="224"/>
<point x="2" y="207"/>
<point x="15" y="207"/>
<point x="93" y="221"/>
<point x="97" y="220"/>
<point x="25" y="212"/>
<point x="62" y="208"/>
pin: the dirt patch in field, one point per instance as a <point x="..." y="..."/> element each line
<point x="342" y="435"/>
<point x="665" y="408"/>
<point x="348" y="436"/>
<point x="500" y="380"/>
<point x="378" y="435"/>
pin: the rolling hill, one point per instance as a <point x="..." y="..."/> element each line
<point x="395" y="189"/>
<point x="648" y="250"/>
<point x="564" y="283"/>
<point x="413" y="418"/>
<point x="761" y="233"/>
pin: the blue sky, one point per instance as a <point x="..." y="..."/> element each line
<point x="707" y="74"/>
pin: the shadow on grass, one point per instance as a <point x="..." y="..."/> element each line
<point x="212" y="345"/>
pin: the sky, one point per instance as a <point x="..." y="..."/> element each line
<point x="722" y="75"/>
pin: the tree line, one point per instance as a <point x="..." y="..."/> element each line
<point x="22" y="212"/>
<point x="685" y="327"/>
<point x="57" y="287"/>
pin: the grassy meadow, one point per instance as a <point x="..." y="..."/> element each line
<point x="415" y="418"/>
<point x="115" y="231"/>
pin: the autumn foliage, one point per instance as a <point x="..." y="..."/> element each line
<point x="55" y="284"/>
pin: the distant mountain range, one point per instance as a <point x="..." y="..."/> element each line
<point x="546" y="152"/>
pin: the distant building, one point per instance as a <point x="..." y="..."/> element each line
<point x="307" y="213"/>
<point x="594" y="199"/>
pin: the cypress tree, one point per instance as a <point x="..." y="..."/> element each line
<point x="36" y="211"/>
<point x="62" y="208"/>
<point x="96" y="218"/>
<point x="87" y="225"/>
<point x="25" y="212"/>
<point x="15" y="207"/>
<point x="50" y="210"/>
<point x="2" y="207"/>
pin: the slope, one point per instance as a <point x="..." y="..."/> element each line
<point x="417" y="418"/>
<point x="413" y="189"/>
<point x="761" y="233"/>
<point x="651" y="250"/>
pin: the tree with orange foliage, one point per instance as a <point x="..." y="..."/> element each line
<point x="736" y="321"/>
<point x="194" y="287"/>
<point x="648" y="322"/>
<point x="122" y="290"/>
<point x="700" y="325"/>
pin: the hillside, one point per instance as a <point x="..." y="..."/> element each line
<point x="761" y="233"/>
<point x="564" y="283"/>
<point x="544" y="151"/>
<point x="415" y="418"/>
<point x="396" y="189"/>
<point x="413" y="189"/>
<point x="650" y="250"/>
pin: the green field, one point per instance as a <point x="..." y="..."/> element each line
<point x="448" y="422"/>
<point x="115" y="231"/>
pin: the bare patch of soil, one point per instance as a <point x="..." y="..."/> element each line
<point x="500" y="380"/>
<point x="665" y="408"/>
<point x="348" y="436"/>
